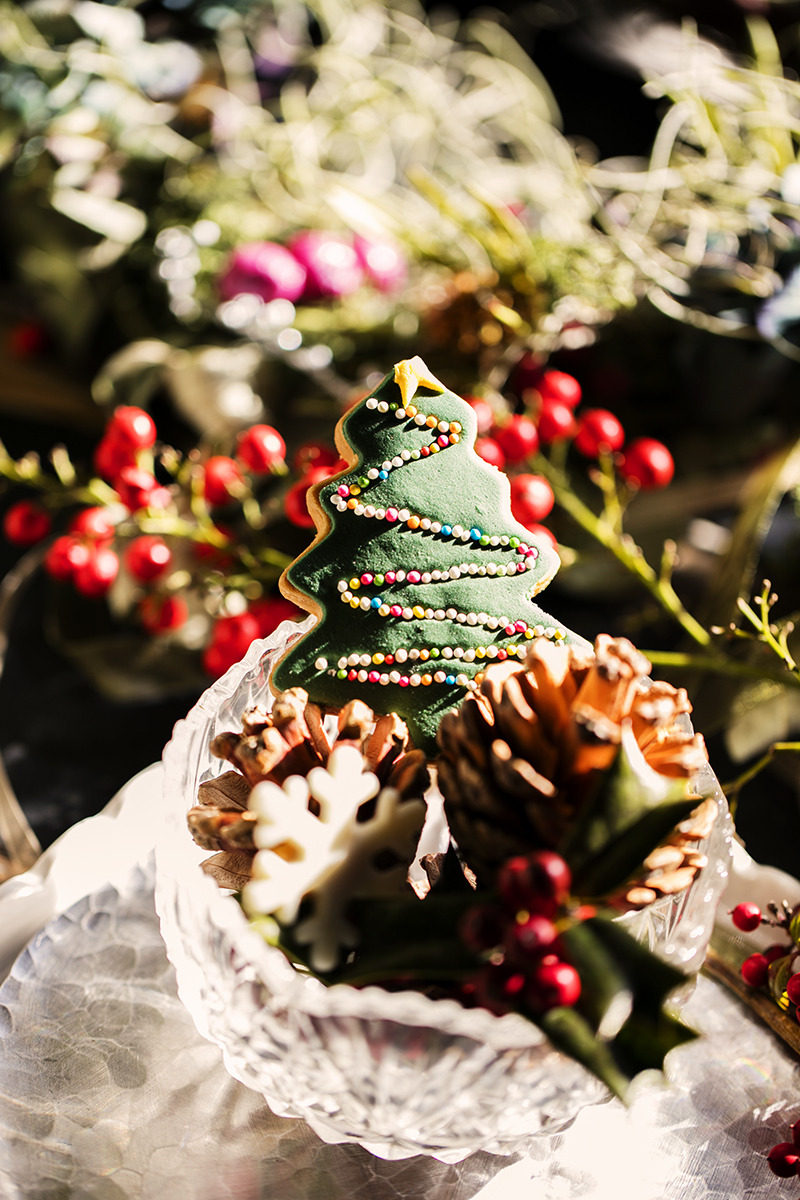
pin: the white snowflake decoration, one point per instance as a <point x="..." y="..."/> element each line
<point x="330" y="857"/>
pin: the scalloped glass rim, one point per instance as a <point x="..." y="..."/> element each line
<point x="187" y="901"/>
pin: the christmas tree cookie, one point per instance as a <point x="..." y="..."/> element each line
<point x="419" y="576"/>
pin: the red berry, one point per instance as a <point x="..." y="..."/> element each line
<point x="26" y="523"/>
<point x="482" y="927"/>
<point x="139" y="489"/>
<point x="131" y="427"/>
<point x="97" y="574"/>
<point x="95" y="523"/>
<point x="537" y="882"/>
<point x="527" y="374"/>
<point x="111" y="457"/>
<point x="294" y="502"/>
<point x="559" y="387"/>
<point x="271" y="611"/>
<point x="160" y="614"/>
<point x="230" y="640"/>
<point x="27" y="338"/>
<point x="793" y="988"/>
<point x="147" y="557"/>
<point x="556" y="422"/>
<point x="531" y="499"/>
<point x="383" y="263"/>
<point x="260" y="448"/>
<point x="488" y="449"/>
<point x="776" y="951"/>
<point x="534" y="936"/>
<point x="755" y="970"/>
<point x="518" y="439"/>
<point x="65" y="556"/>
<point x="598" y="430"/>
<point x="647" y="463"/>
<point x="484" y="413"/>
<point x="543" y="534"/>
<point x="795" y="1128"/>
<point x="222" y="480"/>
<point x="553" y="985"/>
<point x="746" y="916"/>
<point x="784" y="1159"/>
<point x="314" y="454"/>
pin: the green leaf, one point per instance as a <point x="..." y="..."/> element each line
<point x="606" y="999"/>
<point x="571" y="1033"/>
<point x="611" y="839"/>
<point x="405" y="937"/>
<point x="649" y="1032"/>
<point x="619" y="861"/>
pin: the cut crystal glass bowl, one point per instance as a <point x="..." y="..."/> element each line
<point x="397" y="1072"/>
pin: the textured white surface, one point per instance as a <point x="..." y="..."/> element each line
<point x="107" y="1091"/>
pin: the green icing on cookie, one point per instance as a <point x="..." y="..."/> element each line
<point x="419" y="574"/>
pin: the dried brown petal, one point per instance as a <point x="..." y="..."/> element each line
<point x="228" y="791"/>
<point x="230" y="869"/>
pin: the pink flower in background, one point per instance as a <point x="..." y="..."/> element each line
<point x="332" y="264"/>
<point x="263" y="269"/>
<point x="383" y="263"/>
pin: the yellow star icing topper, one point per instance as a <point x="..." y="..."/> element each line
<point x="411" y="374"/>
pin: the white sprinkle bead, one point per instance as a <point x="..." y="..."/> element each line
<point x="365" y="660"/>
<point x="384" y="610"/>
<point x="365" y="604"/>
<point x="439" y="614"/>
<point x="436" y="527"/>
<point x="321" y="664"/>
<point x="394" y="676"/>
<point x="413" y="654"/>
<point x="443" y="427"/>
<point x="420" y="419"/>
<point x="369" y="510"/>
<point x="353" y="660"/>
<point x="408" y="613"/>
<point x="400" y="576"/>
<point x="426" y="577"/>
<point x="401" y="656"/>
<point x="384" y="679"/>
<point x="405" y="455"/>
<point x="447" y="652"/>
<point x="397" y="461"/>
<point x="458" y="652"/>
<point x="342" y="663"/>
<point x="469" y="655"/>
<point x="372" y="403"/>
<point x="359" y="510"/>
<point x="425" y="523"/>
<point x="342" y="585"/>
<point x="362" y="676"/>
<point x="347" y="597"/>
<point x="458" y="530"/>
<point x="400" y="414"/>
<point x="380" y="513"/>
<point x="404" y="514"/>
<point x="439" y="677"/>
<point x="451" y="614"/>
<point x="462" y="680"/>
<point x="383" y="407"/>
<point x="373" y="473"/>
<point x="471" y="618"/>
<point x="415" y="680"/>
<point x="387" y="465"/>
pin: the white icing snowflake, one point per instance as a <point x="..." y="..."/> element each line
<point x="330" y="858"/>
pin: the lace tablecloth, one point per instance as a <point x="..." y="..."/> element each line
<point x="107" y="1091"/>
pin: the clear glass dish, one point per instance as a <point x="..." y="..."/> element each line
<point x="396" y="1072"/>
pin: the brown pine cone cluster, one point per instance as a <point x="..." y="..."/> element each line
<point x="520" y="758"/>
<point x="290" y="740"/>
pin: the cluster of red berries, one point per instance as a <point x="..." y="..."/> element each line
<point x="772" y="967"/>
<point x="518" y="939"/>
<point x="102" y="539"/>
<point x="551" y="398"/>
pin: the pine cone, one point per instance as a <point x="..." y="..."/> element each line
<point x="520" y="758"/>
<point x="290" y="740"/>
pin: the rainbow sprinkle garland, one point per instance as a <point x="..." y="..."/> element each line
<point x="350" y="498"/>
